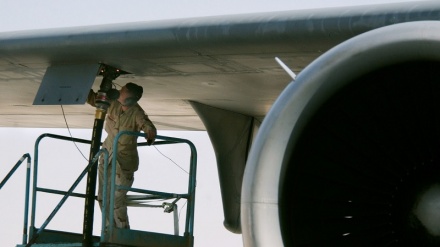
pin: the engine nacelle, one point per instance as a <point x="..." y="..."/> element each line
<point x="349" y="154"/>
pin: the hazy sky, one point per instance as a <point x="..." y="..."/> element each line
<point x="23" y="14"/>
<point x="63" y="160"/>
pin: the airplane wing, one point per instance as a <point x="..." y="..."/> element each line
<point x="226" y="62"/>
<point x="213" y="73"/>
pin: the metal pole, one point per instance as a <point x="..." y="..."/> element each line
<point x="102" y="102"/>
<point x="91" y="179"/>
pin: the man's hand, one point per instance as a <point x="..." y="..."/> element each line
<point x="151" y="136"/>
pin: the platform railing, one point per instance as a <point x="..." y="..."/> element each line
<point x="26" y="200"/>
<point x="65" y="194"/>
<point x="35" y="188"/>
<point x="109" y="234"/>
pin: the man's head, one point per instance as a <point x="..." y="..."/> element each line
<point x="130" y="94"/>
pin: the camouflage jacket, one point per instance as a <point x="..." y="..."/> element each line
<point x="133" y="119"/>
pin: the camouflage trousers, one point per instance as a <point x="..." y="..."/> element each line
<point x="124" y="178"/>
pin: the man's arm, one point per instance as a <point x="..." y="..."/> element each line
<point x="148" y="128"/>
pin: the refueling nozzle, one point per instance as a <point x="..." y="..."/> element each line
<point x="106" y="92"/>
<point x="109" y="75"/>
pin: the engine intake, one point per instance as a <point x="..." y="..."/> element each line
<point x="349" y="154"/>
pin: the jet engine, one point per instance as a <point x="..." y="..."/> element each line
<point x="349" y="154"/>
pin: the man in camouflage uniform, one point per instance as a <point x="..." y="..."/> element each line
<point x="123" y="114"/>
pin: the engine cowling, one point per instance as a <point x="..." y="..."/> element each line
<point x="349" y="154"/>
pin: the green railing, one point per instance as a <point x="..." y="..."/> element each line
<point x="113" y="235"/>
<point x="36" y="232"/>
<point x="26" y="200"/>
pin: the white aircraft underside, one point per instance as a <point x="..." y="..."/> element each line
<point x="227" y="62"/>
